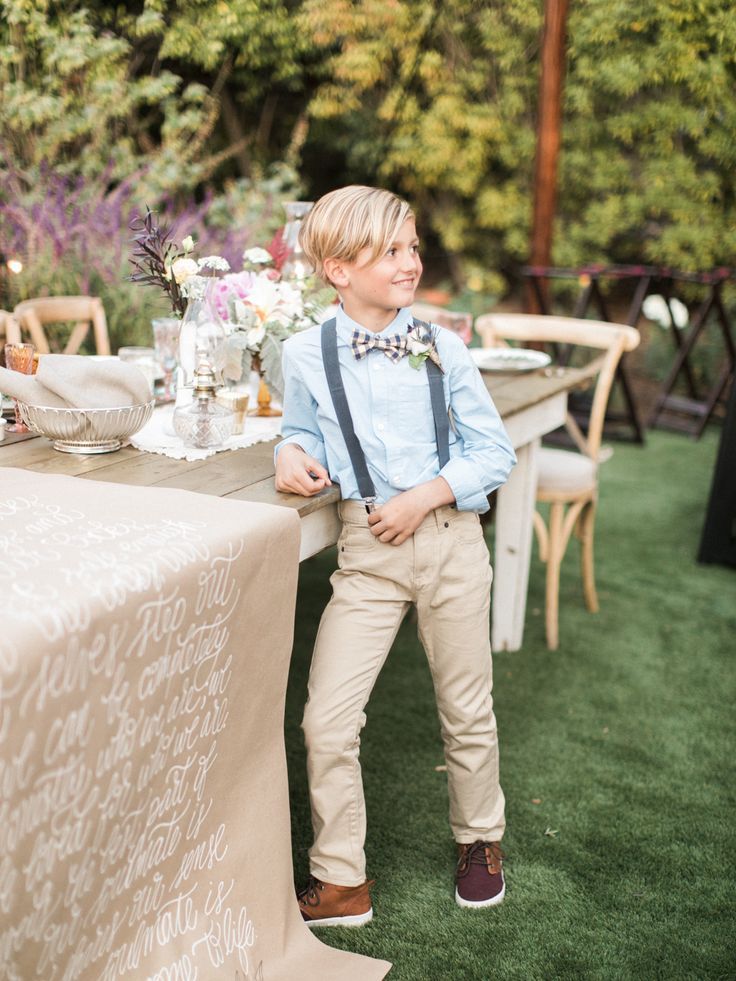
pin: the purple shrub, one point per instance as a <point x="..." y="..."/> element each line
<point x="77" y="229"/>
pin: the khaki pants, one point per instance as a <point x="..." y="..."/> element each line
<point x="444" y="569"/>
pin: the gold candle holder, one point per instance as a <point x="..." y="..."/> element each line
<point x="238" y="403"/>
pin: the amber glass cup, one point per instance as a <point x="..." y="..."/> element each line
<point x="19" y="357"/>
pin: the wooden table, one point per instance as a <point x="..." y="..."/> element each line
<point x="530" y="404"/>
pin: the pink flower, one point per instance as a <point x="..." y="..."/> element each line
<point x="234" y="285"/>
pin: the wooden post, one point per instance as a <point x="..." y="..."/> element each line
<point x="548" y="139"/>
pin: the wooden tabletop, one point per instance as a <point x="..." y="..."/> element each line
<point x="247" y="474"/>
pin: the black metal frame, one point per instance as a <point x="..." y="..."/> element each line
<point x="685" y="414"/>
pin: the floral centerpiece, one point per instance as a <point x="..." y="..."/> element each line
<point x="258" y="307"/>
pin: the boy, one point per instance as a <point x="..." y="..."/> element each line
<point x="412" y="488"/>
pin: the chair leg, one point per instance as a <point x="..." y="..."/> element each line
<point x="540" y="529"/>
<point x="554" y="560"/>
<point x="586" y="557"/>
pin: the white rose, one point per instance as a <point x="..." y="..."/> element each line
<point x="257" y="256"/>
<point x="416" y="347"/>
<point x="188" y="243"/>
<point x="182" y="268"/>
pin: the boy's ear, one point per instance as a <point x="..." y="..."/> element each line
<point x="336" y="272"/>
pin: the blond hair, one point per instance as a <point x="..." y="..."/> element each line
<point x="350" y="219"/>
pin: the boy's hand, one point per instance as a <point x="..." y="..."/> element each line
<point x="299" y="473"/>
<point x="399" y="518"/>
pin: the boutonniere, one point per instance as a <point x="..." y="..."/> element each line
<point x="422" y="344"/>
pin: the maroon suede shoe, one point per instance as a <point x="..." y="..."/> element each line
<point x="479" y="875"/>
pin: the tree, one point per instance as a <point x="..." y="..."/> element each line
<point x="438" y="100"/>
<point x="142" y="88"/>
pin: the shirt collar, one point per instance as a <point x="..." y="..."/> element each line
<point x="346" y="324"/>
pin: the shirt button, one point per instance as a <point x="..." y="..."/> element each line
<point x="377" y="366"/>
<point x="380" y="427"/>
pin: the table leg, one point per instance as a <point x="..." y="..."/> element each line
<point x="515" y="508"/>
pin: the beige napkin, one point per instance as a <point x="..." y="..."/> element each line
<point x="77" y="382"/>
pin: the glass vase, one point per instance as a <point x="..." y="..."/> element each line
<point x="201" y="338"/>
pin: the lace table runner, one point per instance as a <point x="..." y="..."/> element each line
<point x="158" y="436"/>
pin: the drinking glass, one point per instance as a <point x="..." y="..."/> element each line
<point x="166" y="338"/>
<point x="19" y="357"/>
<point x="144" y="358"/>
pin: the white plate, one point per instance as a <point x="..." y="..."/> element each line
<point x="509" y="358"/>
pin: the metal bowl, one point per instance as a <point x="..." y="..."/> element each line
<point x="86" y="430"/>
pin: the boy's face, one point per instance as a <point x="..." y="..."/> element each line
<point x="372" y="294"/>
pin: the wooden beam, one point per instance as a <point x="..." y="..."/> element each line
<point x="548" y="138"/>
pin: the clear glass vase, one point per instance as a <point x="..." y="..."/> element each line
<point x="201" y="338"/>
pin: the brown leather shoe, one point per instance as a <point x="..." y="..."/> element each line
<point x="322" y="904"/>
<point x="479" y="874"/>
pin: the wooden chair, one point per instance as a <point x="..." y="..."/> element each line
<point x="83" y="311"/>
<point x="458" y="322"/>
<point x="567" y="480"/>
<point x="9" y="329"/>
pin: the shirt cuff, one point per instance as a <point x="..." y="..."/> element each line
<point x="463" y="481"/>
<point x="312" y="446"/>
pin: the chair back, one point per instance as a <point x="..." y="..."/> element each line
<point x="9" y="328"/>
<point x="83" y="311"/>
<point x="458" y="322"/>
<point x="612" y="339"/>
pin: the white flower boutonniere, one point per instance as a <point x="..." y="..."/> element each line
<point x="422" y="343"/>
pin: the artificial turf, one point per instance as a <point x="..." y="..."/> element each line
<point x="616" y="761"/>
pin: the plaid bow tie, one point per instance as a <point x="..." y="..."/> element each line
<point x="394" y="346"/>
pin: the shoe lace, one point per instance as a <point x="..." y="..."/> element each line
<point x="308" y="896"/>
<point x="485" y="853"/>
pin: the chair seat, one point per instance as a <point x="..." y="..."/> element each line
<point x="564" y="472"/>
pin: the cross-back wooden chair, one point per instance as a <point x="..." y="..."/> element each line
<point x="459" y="322"/>
<point x="567" y="480"/>
<point x="83" y="311"/>
<point x="9" y="329"/>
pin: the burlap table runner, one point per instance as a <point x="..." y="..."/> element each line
<point x="144" y="821"/>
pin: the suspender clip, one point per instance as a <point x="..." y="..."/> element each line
<point x="370" y="504"/>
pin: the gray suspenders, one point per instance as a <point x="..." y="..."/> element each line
<point x="345" y="420"/>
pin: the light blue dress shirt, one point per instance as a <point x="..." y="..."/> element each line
<point x="392" y="415"/>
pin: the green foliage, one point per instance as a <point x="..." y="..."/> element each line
<point x="84" y="86"/>
<point x="438" y="101"/>
<point x="649" y="156"/>
<point x="435" y="100"/>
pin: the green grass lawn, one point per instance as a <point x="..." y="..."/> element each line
<point x="624" y="736"/>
